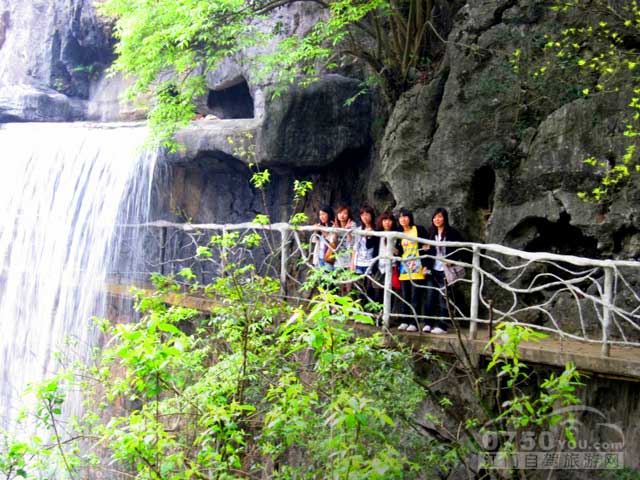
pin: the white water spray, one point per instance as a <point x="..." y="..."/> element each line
<point x="63" y="187"/>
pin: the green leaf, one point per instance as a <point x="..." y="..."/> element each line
<point x="169" y="328"/>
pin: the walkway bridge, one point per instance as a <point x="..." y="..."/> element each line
<point x="589" y="308"/>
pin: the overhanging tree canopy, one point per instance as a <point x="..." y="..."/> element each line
<point x="168" y="45"/>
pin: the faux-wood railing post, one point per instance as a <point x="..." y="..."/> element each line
<point x="163" y="249"/>
<point x="606" y="309"/>
<point x="386" y="305"/>
<point x="223" y="251"/>
<point x="475" y="293"/>
<point x="284" y="253"/>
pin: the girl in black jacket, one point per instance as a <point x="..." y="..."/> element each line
<point x="436" y="304"/>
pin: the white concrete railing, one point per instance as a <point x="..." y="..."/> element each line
<point x="572" y="297"/>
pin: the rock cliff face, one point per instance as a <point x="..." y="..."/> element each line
<point x="460" y="139"/>
<point x="50" y="51"/>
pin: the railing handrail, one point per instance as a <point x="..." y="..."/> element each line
<point x="492" y="247"/>
<point x="601" y="296"/>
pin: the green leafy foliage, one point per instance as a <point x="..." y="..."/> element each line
<point x="301" y="188"/>
<point x="14" y="458"/>
<point x="261" y="219"/>
<point x="162" y="43"/>
<point x="167" y="46"/>
<point x="260" y="179"/>
<point x="505" y="345"/>
<point x="182" y="394"/>
<point x="257" y="385"/>
<point x="522" y="411"/>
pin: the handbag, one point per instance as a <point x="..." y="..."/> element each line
<point x="330" y="253"/>
<point x="395" y="278"/>
<point x="453" y="273"/>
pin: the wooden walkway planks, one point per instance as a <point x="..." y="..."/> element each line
<point x="623" y="362"/>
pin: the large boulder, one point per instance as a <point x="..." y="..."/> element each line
<point x="546" y="183"/>
<point x="25" y="103"/>
<point x="108" y="103"/>
<point x="312" y="126"/>
<point x="294" y="19"/>
<point x="405" y="166"/>
<point x="304" y="128"/>
<point x="46" y="47"/>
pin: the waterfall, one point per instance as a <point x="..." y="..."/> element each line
<point x="63" y="188"/>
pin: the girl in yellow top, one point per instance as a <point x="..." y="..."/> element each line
<point x="411" y="270"/>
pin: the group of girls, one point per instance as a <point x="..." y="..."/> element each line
<point x="420" y="265"/>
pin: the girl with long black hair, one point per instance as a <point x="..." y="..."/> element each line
<point x="412" y="274"/>
<point x="323" y="240"/>
<point x="344" y="249"/>
<point x="439" y="231"/>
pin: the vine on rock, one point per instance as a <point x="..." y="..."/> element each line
<point x="600" y="38"/>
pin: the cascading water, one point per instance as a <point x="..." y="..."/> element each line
<point x="63" y="188"/>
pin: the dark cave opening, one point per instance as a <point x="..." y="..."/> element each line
<point x="342" y="182"/>
<point x="232" y="102"/>
<point x="481" y="195"/>
<point x="535" y="234"/>
<point x="483" y="187"/>
<point x="623" y="242"/>
<point x="384" y="198"/>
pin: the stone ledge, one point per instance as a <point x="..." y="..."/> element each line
<point x="26" y="103"/>
<point x="207" y="136"/>
<point x="623" y="362"/>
